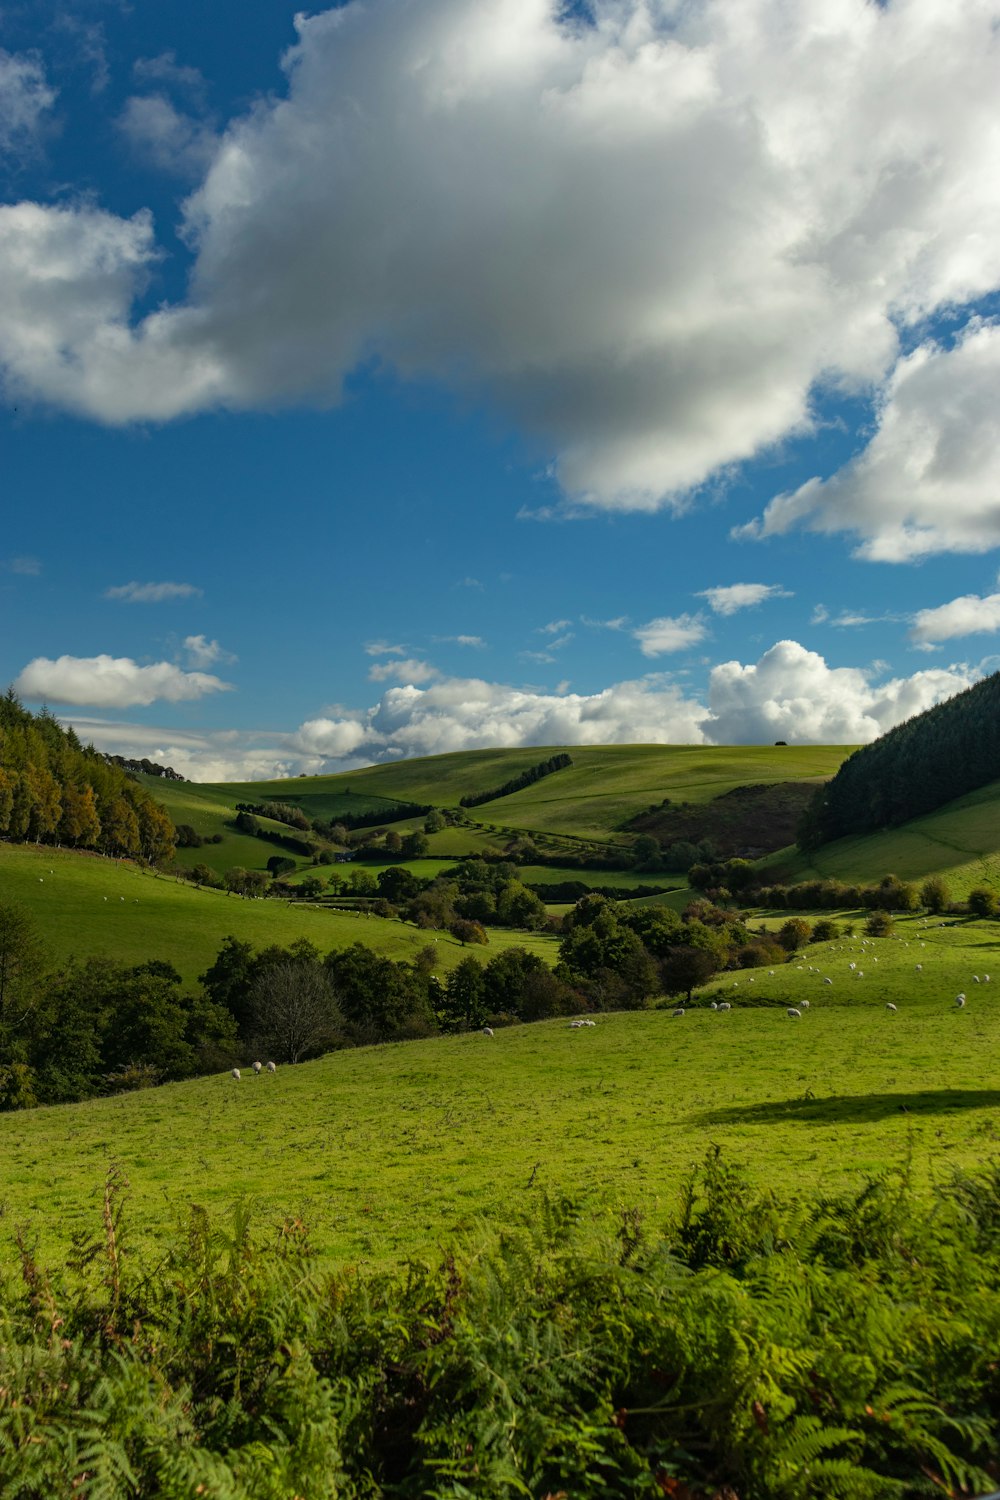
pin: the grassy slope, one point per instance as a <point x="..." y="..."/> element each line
<point x="385" y="1150"/>
<point x="148" y="917"/>
<point x="604" y="786"/>
<point x="960" y="842"/>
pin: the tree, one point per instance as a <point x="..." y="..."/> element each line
<point x="465" y="994"/>
<point x="468" y="932"/>
<point x="293" y="1010"/>
<point x="934" y="895"/>
<point x="415" y="845"/>
<point x="879" y="924"/>
<point x="646" y="853"/>
<point x="397" y="885"/>
<point x="684" y="969"/>
<point x="280" y="864"/>
<point x="794" y="934"/>
<point x="982" y="902"/>
<point x="227" y="982"/>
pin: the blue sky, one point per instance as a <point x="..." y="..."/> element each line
<point x="421" y="376"/>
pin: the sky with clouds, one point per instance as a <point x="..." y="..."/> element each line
<point x="420" y="375"/>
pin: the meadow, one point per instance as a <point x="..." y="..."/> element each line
<point x="86" y="905"/>
<point x="389" y="1151"/>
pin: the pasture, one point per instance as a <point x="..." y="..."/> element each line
<point x="86" y="906"/>
<point x="385" y="1152"/>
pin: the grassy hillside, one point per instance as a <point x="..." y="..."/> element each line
<point x="88" y="905"/>
<point x="960" y="842"/>
<point x="384" y="1151"/>
<point x="605" y="786"/>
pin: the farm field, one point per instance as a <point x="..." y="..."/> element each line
<point x="88" y="905"/>
<point x="386" y="1151"/>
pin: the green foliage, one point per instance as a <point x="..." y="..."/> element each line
<point x="52" y="791"/>
<point x="518" y="783"/>
<point x="833" y="1349"/>
<point x="879" y="924"/>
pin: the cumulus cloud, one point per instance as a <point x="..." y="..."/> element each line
<point x="929" y="480"/>
<point x="792" y="694"/>
<point x="112" y="682"/>
<point x="728" y="598"/>
<point x="665" y="634"/>
<point x="408" y="670"/>
<point x="25" y="98"/>
<point x="647" y="237"/>
<point x="205" y="653"/>
<point x="152" y="593"/>
<point x="167" y="138"/>
<point x="969" y="615"/>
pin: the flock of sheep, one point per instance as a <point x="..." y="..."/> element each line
<point x="258" y="1068"/>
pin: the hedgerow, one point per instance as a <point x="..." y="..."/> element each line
<point x="751" y="1349"/>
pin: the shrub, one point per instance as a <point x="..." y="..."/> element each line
<point x="879" y="924"/>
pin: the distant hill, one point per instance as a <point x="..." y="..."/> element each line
<point x="919" y="766"/>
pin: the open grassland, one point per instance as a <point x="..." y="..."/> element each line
<point x="960" y="842"/>
<point x="385" y="1151"/>
<point x="86" y="905"/>
<point x="605" y="786"/>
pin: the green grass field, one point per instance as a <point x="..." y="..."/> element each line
<point x="386" y="1151"/>
<point x="960" y="842"/>
<point x="86" y="905"/>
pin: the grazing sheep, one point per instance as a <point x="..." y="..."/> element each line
<point x="725" y="1005"/>
<point x="852" y="967"/>
<point x="827" y="981"/>
<point x="919" y="969"/>
<point x="574" y="1025"/>
<point x="271" y="1068"/>
<point x="236" y="1074"/>
<point x="713" y="1005"/>
<point x="257" y="1067"/>
<point x="976" y="978"/>
<point x="590" y="1023"/>
<point x="960" y="1001"/>
<point x="679" y="1011"/>
<point x="803" y="1005"/>
<point x="796" y="1015"/>
<point x="889" y="1005"/>
<point x="487" y="1031"/>
<point x="986" y="979"/>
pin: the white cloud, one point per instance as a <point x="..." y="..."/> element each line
<point x="25" y="96"/>
<point x="666" y="634"/>
<point x="408" y="670"/>
<point x="969" y="615"/>
<point x="205" y="653"/>
<point x="475" y="641"/>
<point x="728" y="598"/>
<point x="152" y="593"/>
<point x="929" y="480"/>
<point x="111" y="682"/>
<point x="167" y="138"/>
<point x="384" y="648"/>
<point x="28" y="567"/>
<point x="646" y="239"/>
<point x="792" y="694"/>
<point x="554" y="627"/>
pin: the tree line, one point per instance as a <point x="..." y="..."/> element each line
<point x="54" y="790"/>
<point x="915" y="768"/>
<point x="517" y="783"/>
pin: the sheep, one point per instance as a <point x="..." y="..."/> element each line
<point x="889" y="1005"/>
<point x="725" y="1005"/>
<point x="236" y="1074"/>
<point x="271" y="1067"/>
<point x="487" y="1031"/>
<point x="976" y="978"/>
<point x="919" y="969"/>
<point x="257" y="1068"/>
<point x="827" y="981"/>
<point x="803" y="1005"/>
<point x="793" y="1014"/>
<point x="960" y="1001"/>
<point x="590" y="1023"/>
<point x="986" y="979"/>
<point x="852" y="967"/>
<point x="679" y="1011"/>
<point x="713" y="1005"/>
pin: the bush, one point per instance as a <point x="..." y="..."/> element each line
<point x="982" y="902"/>
<point x="825" y="931"/>
<point x="794" y="934"/>
<point x="879" y="924"/>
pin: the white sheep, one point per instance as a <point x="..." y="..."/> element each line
<point x="960" y="1001"/>
<point x="713" y="1005"/>
<point x="827" y="981"/>
<point x="796" y="1015"/>
<point x="271" y="1067"/>
<point x="889" y="1005"/>
<point x="725" y="1005"/>
<point x="487" y="1031"/>
<point x="236" y="1074"/>
<point x="257" y="1067"/>
<point x="919" y="969"/>
<point x="679" y="1011"/>
<point x="803" y="1005"/>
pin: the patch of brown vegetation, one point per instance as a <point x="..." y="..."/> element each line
<point x="747" y="822"/>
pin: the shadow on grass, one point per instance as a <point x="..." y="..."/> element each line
<point x="841" y="1109"/>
